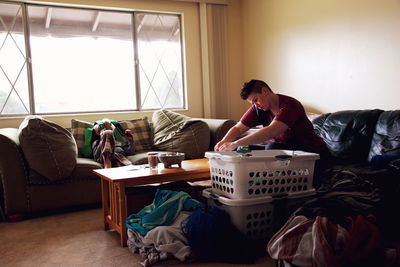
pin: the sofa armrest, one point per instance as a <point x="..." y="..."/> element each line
<point x="218" y="129"/>
<point x="13" y="173"/>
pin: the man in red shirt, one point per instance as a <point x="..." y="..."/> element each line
<point x="285" y="124"/>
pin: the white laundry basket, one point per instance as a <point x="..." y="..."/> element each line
<point x="261" y="173"/>
<point x="257" y="218"/>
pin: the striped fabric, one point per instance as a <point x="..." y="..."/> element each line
<point x="140" y="128"/>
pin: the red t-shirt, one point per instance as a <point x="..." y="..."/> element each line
<point x="291" y="112"/>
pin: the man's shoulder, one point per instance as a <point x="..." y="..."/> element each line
<point x="288" y="100"/>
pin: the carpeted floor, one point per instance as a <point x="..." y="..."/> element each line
<point x="74" y="239"/>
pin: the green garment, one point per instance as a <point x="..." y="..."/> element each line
<point x="166" y="206"/>
<point x="87" y="151"/>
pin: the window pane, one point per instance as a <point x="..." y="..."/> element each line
<point x="14" y="91"/>
<point x="160" y="61"/>
<point x="82" y="60"/>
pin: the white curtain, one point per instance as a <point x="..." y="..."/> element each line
<point x="217" y="58"/>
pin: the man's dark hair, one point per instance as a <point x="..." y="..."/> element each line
<point x="253" y="86"/>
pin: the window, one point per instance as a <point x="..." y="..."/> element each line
<point x="87" y="60"/>
<point x="14" y="95"/>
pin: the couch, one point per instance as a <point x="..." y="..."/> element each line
<point x="365" y="143"/>
<point x="360" y="138"/>
<point x="37" y="177"/>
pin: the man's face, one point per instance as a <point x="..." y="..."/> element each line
<point x="260" y="100"/>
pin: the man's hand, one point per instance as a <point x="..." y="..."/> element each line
<point x="218" y="145"/>
<point x="226" y="146"/>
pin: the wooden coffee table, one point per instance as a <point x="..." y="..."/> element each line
<point x="114" y="181"/>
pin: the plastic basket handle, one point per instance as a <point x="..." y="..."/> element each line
<point x="207" y="193"/>
<point x="280" y="195"/>
<point x="214" y="196"/>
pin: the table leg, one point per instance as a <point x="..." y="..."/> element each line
<point x="105" y="202"/>
<point x="123" y="213"/>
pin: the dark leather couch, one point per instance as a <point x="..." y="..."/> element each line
<point x="25" y="192"/>
<point x="365" y="142"/>
<point x="360" y="137"/>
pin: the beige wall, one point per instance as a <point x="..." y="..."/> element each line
<point x="190" y="13"/>
<point x="331" y="54"/>
<point x="235" y="59"/>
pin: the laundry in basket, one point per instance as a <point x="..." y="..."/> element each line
<point x="260" y="173"/>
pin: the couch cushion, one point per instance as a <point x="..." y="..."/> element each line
<point x="348" y="133"/>
<point x="83" y="171"/>
<point x="49" y="149"/>
<point x="180" y="133"/>
<point x="140" y="128"/>
<point x="141" y="133"/>
<point x="386" y="136"/>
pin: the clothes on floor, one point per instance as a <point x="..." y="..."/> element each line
<point x="212" y="236"/>
<point x="161" y="243"/>
<point x="308" y="242"/>
<point x="317" y="241"/>
<point x="165" y="208"/>
<point x="341" y="227"/>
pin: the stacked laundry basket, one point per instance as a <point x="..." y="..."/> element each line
<point x="258" y="188"/>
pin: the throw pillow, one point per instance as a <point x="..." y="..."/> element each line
<point x="180" y="133"/>
<point x="78" y="131"/>
<point x="141" y="133"/>
<point x="140" y="128"/>
<point x="48" y="148"/>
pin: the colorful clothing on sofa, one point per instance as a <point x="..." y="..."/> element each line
<point x="291" y="112"/>
<point x="108" y="145"/>
<point x="97" y="146"/>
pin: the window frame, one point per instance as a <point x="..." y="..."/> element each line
<point x="132" y="13"/>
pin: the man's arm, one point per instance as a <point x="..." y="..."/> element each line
<point x="234" y="133"/>
<point x="261" y="136"/>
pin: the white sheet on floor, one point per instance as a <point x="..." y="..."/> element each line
<point x="162" y="241"/>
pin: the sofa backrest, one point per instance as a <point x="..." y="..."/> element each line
<point x="348" y="133"/>
<point x="218" y="129"/>
<point x="386" y="135"/>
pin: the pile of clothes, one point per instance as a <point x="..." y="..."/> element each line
<point x="175" y="226"/>
<point x="350" y="222"/>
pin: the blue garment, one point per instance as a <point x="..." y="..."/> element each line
<point x="165" y="208"/>
<point x="213" y="237"/>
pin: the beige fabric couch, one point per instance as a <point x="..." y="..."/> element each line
<point x="24" y="191"/>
